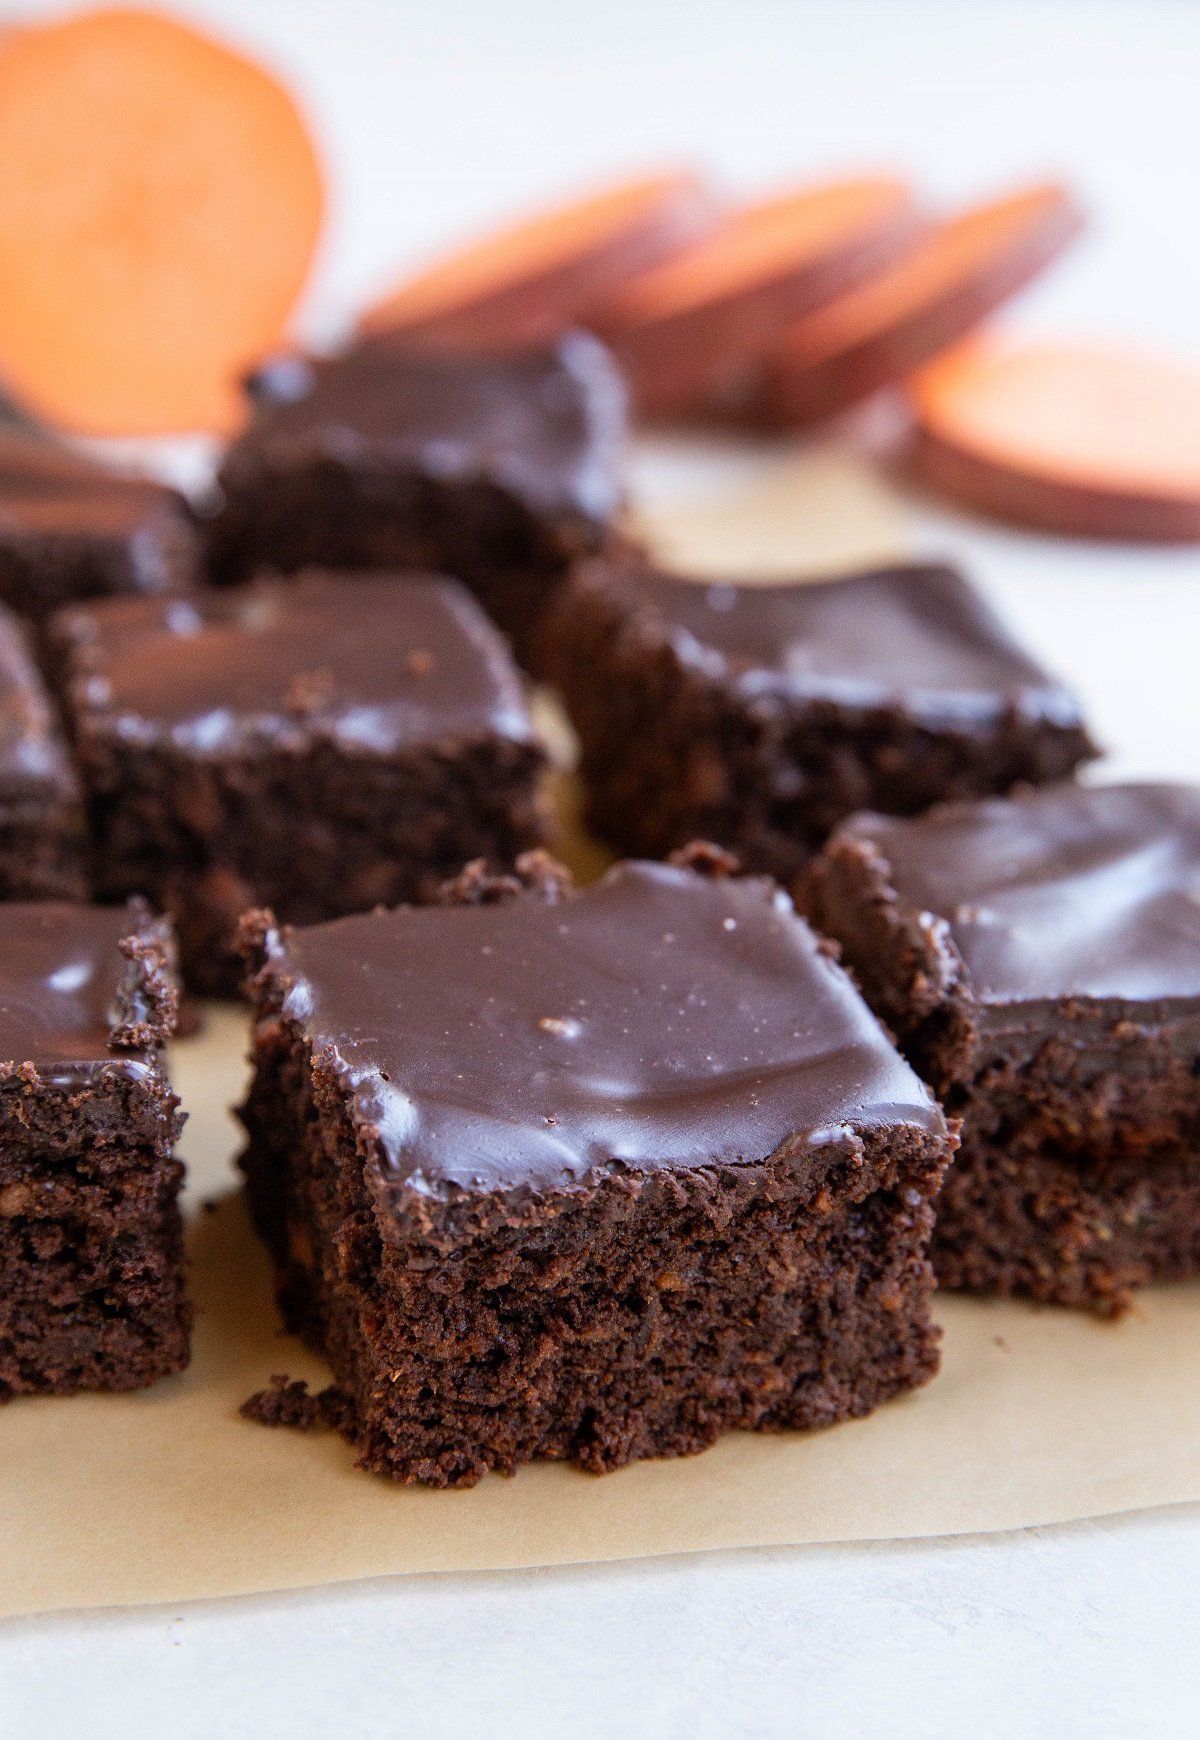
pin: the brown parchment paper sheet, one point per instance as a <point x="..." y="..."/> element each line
<point x="1038" y="1416"/>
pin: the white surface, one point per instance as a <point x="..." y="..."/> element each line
<point x="1052" y="1633"/>
<point x="437" y="116"/>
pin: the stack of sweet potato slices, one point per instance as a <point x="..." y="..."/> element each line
<point x="532" y="279"/>
<point x="793" y="308"/>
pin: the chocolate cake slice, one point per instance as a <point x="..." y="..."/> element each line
<point x="594" y="1176"/>
<point x="325" y="745"/>
<point x="500" y="470"/>
<point x="91" y="1245"/>
<point x="760" y="715"/>
<point x="41" y="812"/>
<point x="1039" y="959"/>
<point x="71" y="529"/>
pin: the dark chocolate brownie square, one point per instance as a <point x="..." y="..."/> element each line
<point x="324" y="744"/>
<point x="41" y="820"/>
<point x="70" y="529"/>
<point x="91" y="1290"/>
<point x="499" y="470"/>
<point x="1039" y="958"/>
<point x="759" y="715"/>
<point x="593" y="1176"/>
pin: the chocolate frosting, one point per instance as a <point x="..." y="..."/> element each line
<point x="70" y="1001"/>
<point x="49" y="492"/>
<point x="915" y="637"/>
<point x="656" y="1019"/>
<point x="1068" y="891"/>
<point x="548" y="425"/>
<point x="373" y="661"/>
<point x="33" y="755"/>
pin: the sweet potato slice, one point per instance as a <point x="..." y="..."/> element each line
<point x="684" y="330"/>
<point x="160" y="201"/>
<point x="925" y="301"/>
<point x="532" y="279"/>
<point x="1071" y="437"/>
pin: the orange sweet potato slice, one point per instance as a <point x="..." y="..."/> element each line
<point x="530" y="280"/>
<point x="686" y="329"/>
<point x="160" y="203"/>
<point x="1072" y="437"/>
<point x="925" y="301"/>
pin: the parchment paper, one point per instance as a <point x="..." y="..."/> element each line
<point x="1038" y="1415"/>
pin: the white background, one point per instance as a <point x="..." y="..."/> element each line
<point x="439" y="115"/>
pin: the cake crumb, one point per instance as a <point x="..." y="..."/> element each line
<point x="288" y="1402"/>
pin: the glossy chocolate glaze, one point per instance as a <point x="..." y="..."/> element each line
<point x="49" y="494"/>
<point x="1065" y="892"/>
<point x="69" y="997"/>
<point x="373" y="661"/>
<point x="546" y="424"/>
<point x="30" y="464"/>
<point x="914" y="637"/>
<point x="33" y="755"/>
<point x="656" y="1019"/>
